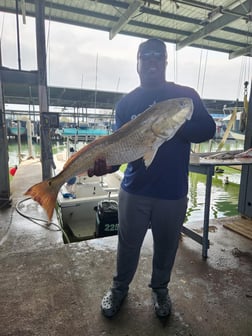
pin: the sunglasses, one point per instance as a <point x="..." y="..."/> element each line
<point x="152" y="54"/>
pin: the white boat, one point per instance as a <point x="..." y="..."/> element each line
<point x="87" y="134"/>
<point x="237" y="135"/>
<point x="79" y="209"/>
<point x="78" y="206"/>
<point x="220" y="125"/>
<point x="235" y="132"/>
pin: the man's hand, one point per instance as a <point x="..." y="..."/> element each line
<point x="100" y="168"/>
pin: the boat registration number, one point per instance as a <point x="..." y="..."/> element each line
<point x="111" y="227"/>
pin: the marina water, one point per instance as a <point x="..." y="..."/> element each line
<point x="225" y="186"/>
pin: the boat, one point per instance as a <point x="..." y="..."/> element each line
<point x="15" y="131"/>
<point x="220" y="127"/>
<point x="87" y="134"/>
<point x="237" y="135"/>
<point x="81" y="205"/>
<point x="17" y="128"/>
<point x="88" y="208"/>
<point x="235" y="131"/>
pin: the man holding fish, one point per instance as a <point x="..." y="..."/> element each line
<point x="156" y="124"/>
<point x="154" y="189"/>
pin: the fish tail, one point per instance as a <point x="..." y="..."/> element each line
<point x="45" y="193"/>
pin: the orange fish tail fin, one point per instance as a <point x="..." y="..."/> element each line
<point x="45" y="193"/>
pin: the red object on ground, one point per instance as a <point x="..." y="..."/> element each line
<point x="13" y="170"/>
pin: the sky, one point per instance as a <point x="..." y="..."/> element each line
<point x="85" y="58"/>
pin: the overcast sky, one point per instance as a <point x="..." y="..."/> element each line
<point x="84" y="58"/>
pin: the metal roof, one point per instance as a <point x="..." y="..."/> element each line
<point x="224" y="26"/>
<point x="83" y="98"/>
<point x="61" y="96"/>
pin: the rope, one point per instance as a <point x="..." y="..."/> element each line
<point x="41" y="222"/>
<point x="204" y="72"/>
<point x="199" y="69"/>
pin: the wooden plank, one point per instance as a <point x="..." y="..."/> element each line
<point x="243" y="228"/>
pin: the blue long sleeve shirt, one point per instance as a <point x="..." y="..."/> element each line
<point x="167" y="176"/>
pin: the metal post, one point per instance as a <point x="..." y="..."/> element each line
<point x="245" y="196"/>
<point x="46" y="150"/>
<point x="19" y="140"/>
<point x="5" y="200"/>
<point x="29" y="137"/>
<point x="18" y="37"/>
<point x="205" y="242"/>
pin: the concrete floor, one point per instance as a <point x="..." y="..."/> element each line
<point x="48" y="288"/>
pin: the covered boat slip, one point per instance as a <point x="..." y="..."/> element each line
<point x="52" y="288"/>
<point x="197" y="32"/>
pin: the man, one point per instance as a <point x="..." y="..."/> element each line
<point x="156" y="197"/>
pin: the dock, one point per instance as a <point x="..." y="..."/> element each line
<point x="48" y="288"/>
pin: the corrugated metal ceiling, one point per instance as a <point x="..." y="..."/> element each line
<point x="224" y="26"/>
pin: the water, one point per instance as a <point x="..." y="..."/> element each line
<point x="13" y="150"/>
<point x="224" y="197"/>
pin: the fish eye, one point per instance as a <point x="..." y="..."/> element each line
<point x="182" y="104"/>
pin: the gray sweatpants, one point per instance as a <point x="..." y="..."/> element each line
<point x="136" y="215"/>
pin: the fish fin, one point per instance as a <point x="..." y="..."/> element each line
<point x="149" y="157"/>
<point x="45" y="193"/>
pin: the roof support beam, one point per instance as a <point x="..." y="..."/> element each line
<point x="125" y="18"/>
<point x="14" y="76"/>
<point x="211" y="8"/>
<point x="219" y="23"/>
<point x="247" y="51"/>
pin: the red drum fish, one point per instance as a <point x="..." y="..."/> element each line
<point x="139" y="138"/>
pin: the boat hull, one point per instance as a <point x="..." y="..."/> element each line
<point x="15" y="131"/>
<point x="237" y="135"/>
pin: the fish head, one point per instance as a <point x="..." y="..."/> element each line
<point x="170" y="115"/>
